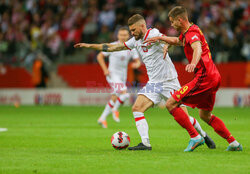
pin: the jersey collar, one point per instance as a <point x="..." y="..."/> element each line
<point x="188" y="28"/>
<point x="146" y="35"/>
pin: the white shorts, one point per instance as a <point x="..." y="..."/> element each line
<point x="158" y="91"/>
<point x="117" y="83"/>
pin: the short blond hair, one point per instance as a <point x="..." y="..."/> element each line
<point x="178" y="11"/>
<point x="135" y="18"/>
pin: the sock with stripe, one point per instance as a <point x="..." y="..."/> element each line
<point x="182" y="118"/>
<point x="107" y="110"/>
<point x="142" y="127"/>
<point x="120" y="100"/>
<point x="197" y="126"/>
<point x="221" y="129"/>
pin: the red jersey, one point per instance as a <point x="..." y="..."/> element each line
<point x="205" y="66"/>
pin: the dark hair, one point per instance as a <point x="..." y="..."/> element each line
<point x="135" y="18"/>
<point x="178" y="11"/>
<point x="123" y="28"/>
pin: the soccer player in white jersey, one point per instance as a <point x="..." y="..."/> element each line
<point x="116" y="75"/>
<point x="162" y="80"/>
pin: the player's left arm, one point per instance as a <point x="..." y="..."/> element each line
<point x="197" y="51"/>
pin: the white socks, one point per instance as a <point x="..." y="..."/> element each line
<point x="120" y="100"/>
<point x="197" y="137"/>
<point x="107" y="110"/>
<point x="111" y="106"/>
<point x="197" y="126"/>
<point x="234" y="144"/>
<point x="142" y="127"/>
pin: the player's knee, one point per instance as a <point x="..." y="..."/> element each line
<point x="113" y="98"/>
<point x="136" y="108"/>
<point x="205" y="116"/>
<point x="170" y="105"/>
<point x="202" y="117"/>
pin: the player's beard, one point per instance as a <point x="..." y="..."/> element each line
<point x="178" y="28"/>
<point x="139" y="36"/>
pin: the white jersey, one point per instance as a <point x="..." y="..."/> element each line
<point x="118" y="61"/>
<point x="158" y="68"/>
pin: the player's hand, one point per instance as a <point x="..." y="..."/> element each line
<point x="190" y="67"/>
<point x="106" y="72"/>
<point x="165" y="50"/>
<point x="152" y="40"/>
<point x="80" y="45"/>
<point x="135" y="65"/>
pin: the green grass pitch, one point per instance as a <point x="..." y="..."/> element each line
<point x="59" y="139"/>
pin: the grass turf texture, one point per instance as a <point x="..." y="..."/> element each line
<point x="54" y="139"/>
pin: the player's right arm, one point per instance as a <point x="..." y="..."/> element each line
<point x="102" y="47"/>
<point x="166" y="39"/>
<point x="165" y="50"/>
<point x="101" y="61"/>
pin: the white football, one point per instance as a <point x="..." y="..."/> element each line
<point x="120" y="140"/>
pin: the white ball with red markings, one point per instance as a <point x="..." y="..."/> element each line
<point x="120" y="140"/>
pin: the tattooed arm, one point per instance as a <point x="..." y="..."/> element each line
<point x="102" y="47"/>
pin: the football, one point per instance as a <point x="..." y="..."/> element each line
<point x="120" y="140"/>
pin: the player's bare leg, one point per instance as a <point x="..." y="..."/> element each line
<point x="120" y="100"/>
<point x="141" y="104"/>
<point x="182" y="118"/>
<point x="221" y="129"/>
<point x="108" y="109"/>
<point x="209" y="142"/>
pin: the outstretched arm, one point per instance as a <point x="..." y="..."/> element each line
<point x="166" y="39"/>
<point x="102" y="47"/>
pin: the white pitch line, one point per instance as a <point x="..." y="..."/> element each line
<point x="3" y="129"/>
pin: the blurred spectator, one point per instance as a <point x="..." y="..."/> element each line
<point x="52" y="45"/>
<point x="107" y="16"/>
<point x="39" y="73"/>
<point x="90" y="30"/>
<point x="3" y="45"/>
<point x="105" y="35"/>
<point x="245" y="51"/>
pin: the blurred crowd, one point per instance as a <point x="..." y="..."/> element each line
<point x="52" y="27"/>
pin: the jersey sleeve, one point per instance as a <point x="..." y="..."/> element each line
<point x="192" y="37"/>
<point x="156" y="32"/>
<point x="134" y="54"/>
<point x="130" y="43"/>
<point x="106" y="54"/>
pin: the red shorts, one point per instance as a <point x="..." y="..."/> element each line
<point x="200" y="92"/>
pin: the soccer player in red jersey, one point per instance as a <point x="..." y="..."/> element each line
<point x="201" y="91"/>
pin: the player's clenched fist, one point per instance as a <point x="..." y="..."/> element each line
<point x="190" y="68"/>
<point x="79" y="45"/>
<point x="152" y="40"/>
<point x="106" y="72"/>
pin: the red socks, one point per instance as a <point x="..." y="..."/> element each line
<point x="221" y="129"/>
<point x="182" y="118"/>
